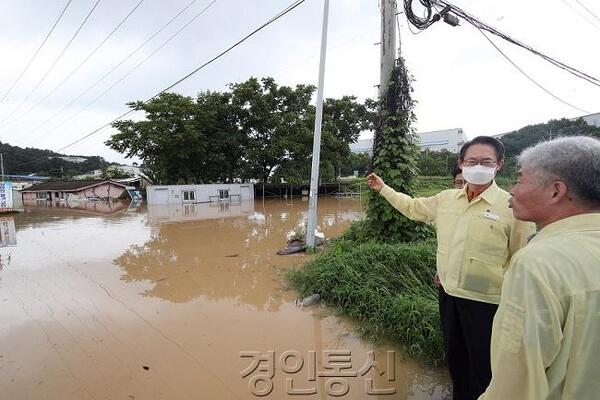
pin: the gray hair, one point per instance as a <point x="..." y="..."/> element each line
<point x="574" y="160"/>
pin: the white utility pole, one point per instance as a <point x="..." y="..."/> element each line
<point x="314" y="176"/>
<point x="388" y="44"/>
<point x="2" y="165"/>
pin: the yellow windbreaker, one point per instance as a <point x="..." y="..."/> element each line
<point x="546" y="333"/>
<point x="475" y="239"/>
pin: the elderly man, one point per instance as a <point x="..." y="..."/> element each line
<point x="546" y="334"/>
<point x="477" y="235"/>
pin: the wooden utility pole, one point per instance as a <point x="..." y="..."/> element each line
<point x="388" y="44"/>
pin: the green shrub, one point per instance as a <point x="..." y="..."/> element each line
<point x="388" y="288"/>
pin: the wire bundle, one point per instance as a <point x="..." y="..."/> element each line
<point x="430" y="18"/>
<point x="420" y="22"/>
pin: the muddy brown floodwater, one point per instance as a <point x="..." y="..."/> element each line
<point x="180" y="302"/>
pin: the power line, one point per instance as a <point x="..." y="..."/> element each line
<point x="475" y="22"/>
<point x="588" y="10"/>
<point x="422" y="24"/>
<point x="529" y="77"/>
<point x="125" y="59"/>
<point x="55" y="62"/>
<point x="81" y="64"/>
<point x="138" y="64"/>
<point x="36" y="52"/>
<point x="287" y="10"/>
<point x="281" y="14"/>
<point x="582" y="15"/>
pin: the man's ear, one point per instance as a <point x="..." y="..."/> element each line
<point x="559" y="192"/>
<point x="459" y="163"/>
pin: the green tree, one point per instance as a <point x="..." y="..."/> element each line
<point x="183" y="140"/>
<point x="343" y="121"/>
<point x="356" y="162"/>
<point x="256" y="130"/>
<point x="436" y="163"/>
<point x="276" y="123"/>
<point x="114" y="172"/>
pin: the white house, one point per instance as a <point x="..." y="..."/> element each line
<point x="446" y="139"/>
<point x="73" y="159"/>
<point x="591" y="119"/>
<point x="190" y="194"/>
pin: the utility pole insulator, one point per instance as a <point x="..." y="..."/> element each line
<point x="451" y="19"/>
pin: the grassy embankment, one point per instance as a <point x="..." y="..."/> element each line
<point x="387" y="288"/>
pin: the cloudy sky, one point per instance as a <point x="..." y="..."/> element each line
<point x="460" y="79"/>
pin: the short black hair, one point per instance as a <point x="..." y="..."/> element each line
<point x="490" y="141"/>
<point x="457" y="170"/>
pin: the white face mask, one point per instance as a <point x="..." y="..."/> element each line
<point x="478" y="174"/>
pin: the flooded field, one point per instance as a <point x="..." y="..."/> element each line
<point x="180" y="302"/>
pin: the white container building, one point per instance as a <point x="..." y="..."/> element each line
<point x="191" y="194"/>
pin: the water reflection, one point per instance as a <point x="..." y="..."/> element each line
<point x="196" y="212"/>
<point x="226" y="252"/>
<point x="8" y="232"/>
<point x="90" y="207"/>
<point x="8" y="238"/>
<point x="74" y="319"/>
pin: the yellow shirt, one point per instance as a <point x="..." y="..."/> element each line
<point x="546" y="333"/>
<point x="475" y="239"/>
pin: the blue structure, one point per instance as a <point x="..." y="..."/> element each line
<point x="31" y="177"/>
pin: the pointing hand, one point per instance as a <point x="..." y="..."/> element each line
<point x="375" y="182"/>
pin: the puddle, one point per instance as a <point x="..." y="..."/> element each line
<point x="178" y="302"/>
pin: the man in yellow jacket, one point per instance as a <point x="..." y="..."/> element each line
<point x="477" y="235"/>
<point x="546" y="333"/>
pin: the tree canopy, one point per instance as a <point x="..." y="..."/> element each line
<point x="255" y="130"/>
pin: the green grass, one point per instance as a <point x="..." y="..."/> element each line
<point x="387" y="288"/>
<point x="431" y="185"/>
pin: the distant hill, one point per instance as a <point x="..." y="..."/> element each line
<point x="517" y="141"/>
<point x="21" y="161"/>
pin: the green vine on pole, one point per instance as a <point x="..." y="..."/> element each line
<point x="395" y="155"/>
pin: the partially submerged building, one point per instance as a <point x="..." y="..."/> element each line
<point x="97" y="189"/>
<point x="207" y="193"/>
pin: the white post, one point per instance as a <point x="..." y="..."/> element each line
<point x="314" y="176"/>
